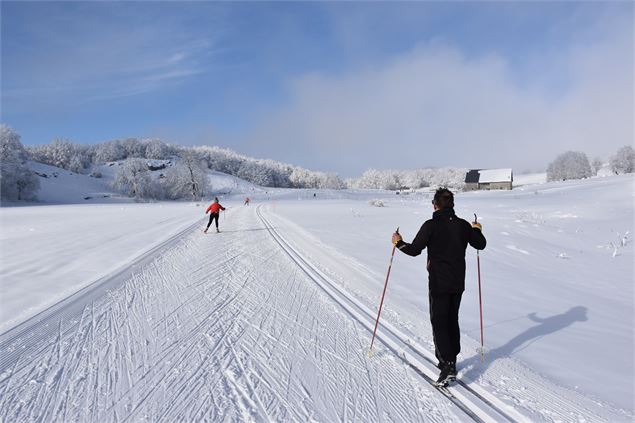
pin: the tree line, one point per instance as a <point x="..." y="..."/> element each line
<point x="576" y="164"/>
<point x="186" y="176"/>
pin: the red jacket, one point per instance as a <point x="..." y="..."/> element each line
<point x="214" y="208"/>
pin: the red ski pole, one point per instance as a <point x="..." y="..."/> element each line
<point x="480" y="298"/>
<point x="382" y="298"/>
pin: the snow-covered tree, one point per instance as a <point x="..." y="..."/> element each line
<point x="414" y="178"/>
<point x="596" y="165"/>
<point x="187" y="179"/>
<point x="17" y="181"/>
<point x="155" y="149"/>
<point x="331" y="181"/>
<point x="569" y="165"/>
<point x="264" y="172"/>
<point x="10" y="146"/>
<point x="252" y="172"/>
<point x="63" y="154"/>
<point x="302" y="178"/>
<point x="133" y="179"/>
<point x="60" y="153"/>
<point x="624" y="160"/>
<point x="109" y="152"/>
<point x="134" y="148"/>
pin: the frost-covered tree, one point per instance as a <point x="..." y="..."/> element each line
<point x="624" y="160"/>
<point x="10" y="146"/>
<point x="569" y="165"/>
<point x="262" y="172"/>
<point x="17" y="181"/>
<point x="133" y="179"/>
<point x="303" y="178"/>
<point x="596" y="165"/>
<point x="252" y="172"/>
<point x="370" y="179"/>
<point x="156" y="149"/>
<point x="331" y="181"/>
<point x="63" y="154"/>
<point x="187" y="179"/>
<point x="134" y="148"/>
<point x="109" y="152"/>
<point x="414" y="178"/>
<point x="258" y="171"/>
<point x="449" y="177"/>
<point x="390" y="179"/>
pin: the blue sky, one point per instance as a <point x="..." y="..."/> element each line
<point x="332" y="86"/>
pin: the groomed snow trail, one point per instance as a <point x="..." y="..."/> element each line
<point x="223" y="327"/>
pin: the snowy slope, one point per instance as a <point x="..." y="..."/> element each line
<point x="558" y="283"/>
<point x="233" y="326"/>
<point x="59" y="186"/>
<point x="224" y="327"/>
<point x="529" y="179"/>
<point x="50" y="251"/>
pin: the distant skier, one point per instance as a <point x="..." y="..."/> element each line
<point x="446" y="236"/>
<point x="247" y="201"/>
<point x="214" y="210"/>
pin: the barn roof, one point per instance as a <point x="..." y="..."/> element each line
<point x="472" y="176"/>
<point x="484" y="176"/>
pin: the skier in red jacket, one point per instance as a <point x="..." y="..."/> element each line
<point x="215" y="209"/>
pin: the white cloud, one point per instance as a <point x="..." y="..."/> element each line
<point x="435" y="107"/>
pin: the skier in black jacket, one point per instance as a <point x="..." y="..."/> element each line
<point x="446" y="236"/>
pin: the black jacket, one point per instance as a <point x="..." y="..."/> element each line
<point x="446" y="236"/>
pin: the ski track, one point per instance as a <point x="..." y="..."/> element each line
<point x="526" y="391"/>
<point x="222" y="327"/>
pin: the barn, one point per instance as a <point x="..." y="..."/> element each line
<point x="476" y="179"/>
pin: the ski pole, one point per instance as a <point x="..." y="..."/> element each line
<point x="370" y="351"/>
<point x="480" y="300"/>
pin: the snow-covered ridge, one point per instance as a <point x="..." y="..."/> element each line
<point x="60" y="186"/>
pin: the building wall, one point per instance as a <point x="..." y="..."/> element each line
<point x="470" y="187"/>
<point x="496" y="185"/>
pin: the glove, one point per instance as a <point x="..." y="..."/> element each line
<point x="477" y="225"/>
<point x="396" y="238"/>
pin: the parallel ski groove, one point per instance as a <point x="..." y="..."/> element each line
<point x="194" y="331"/>
<point x="73" y="305"/>
<point x="361" y="314"/>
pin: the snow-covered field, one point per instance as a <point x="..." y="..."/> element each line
<point x="50" y="251"/>
<point x="557" y="275"/>
<point x="262" y="323"/>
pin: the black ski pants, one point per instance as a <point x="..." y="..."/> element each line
<point x="444" y="315"/>
<point x="212" y="216"/>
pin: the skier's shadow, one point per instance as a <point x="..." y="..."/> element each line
<point x="523" y="340"/>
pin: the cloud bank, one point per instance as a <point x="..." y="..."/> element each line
<point x="435" y="106"/>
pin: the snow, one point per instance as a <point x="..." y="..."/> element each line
<point x="51" y="251"/>
<point x="529" y="179"/>
<point x="495" y="175"/>
<point x="570" y="320"/>
<point x="59" y="186"/>
<point x="229" y="327"/>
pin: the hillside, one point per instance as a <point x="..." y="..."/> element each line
<point x="60" y="186"/>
